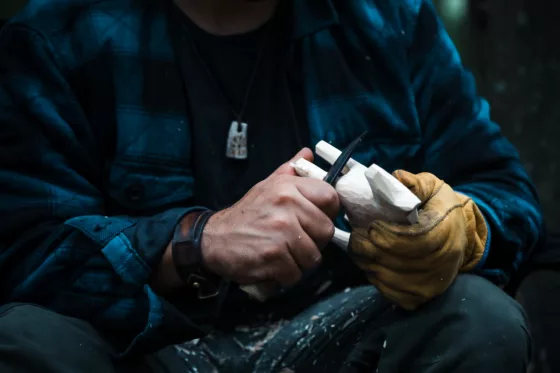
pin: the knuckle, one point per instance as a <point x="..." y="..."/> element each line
<point x="260" y="186"/>
<point x="284" y="197"/>
<point x="267" y="275"/>
<point x="326" y="234"/>
<point x="308" y="254"/>
<point x="272" y="253"/>
<point x="279" y="179"/>
<point x="331" y="197"/>
<point x="316" y="260"/>
<point x="329" y="230"/>
<point x="281" y="224"/>
<point x="313" y="260"/>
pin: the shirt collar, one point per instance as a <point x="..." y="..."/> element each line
<point x="310" y="16"/>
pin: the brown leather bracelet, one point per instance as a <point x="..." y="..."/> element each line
<point x="187" y="255"/>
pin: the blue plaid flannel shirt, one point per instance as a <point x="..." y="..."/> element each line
<point x="95" y="148"/>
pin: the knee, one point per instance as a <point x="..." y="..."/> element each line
<point x="27" y="321"/>
<point x="21" y="320"/>
<point x="486" y="307"/>
<point x="33" y="338"/>
<point x="473" y="327"/>
<point x="487" y="322"/>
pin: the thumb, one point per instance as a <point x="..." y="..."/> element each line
<point x="423" y="185"/>
<point x="287" y="169"/>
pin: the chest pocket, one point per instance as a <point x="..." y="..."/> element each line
<point x="151" y="170"/>
<point x="143" y="187"/>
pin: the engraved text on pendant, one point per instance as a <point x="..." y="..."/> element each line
<point x="237" y="141"/>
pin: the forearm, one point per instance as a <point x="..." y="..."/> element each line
<point x="464" y="147"/>
<point x="484" y="166"/>
<point x="99" y="269"/>
<point x="514" y="222"/>
<point x="480" y="162"/>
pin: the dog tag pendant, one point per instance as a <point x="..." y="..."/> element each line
<point x="237" y="141"/>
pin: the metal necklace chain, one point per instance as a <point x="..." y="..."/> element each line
<point x="236" y="147"/>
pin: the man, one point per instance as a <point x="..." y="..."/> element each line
<point x="145" y="174"/>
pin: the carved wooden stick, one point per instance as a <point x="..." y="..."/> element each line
<point x="397" y="201"/>
<point x="341" y="239"/>
<point x="330" y="154"/>
<point x="372" y="193"/>
<point x="260" y="292"/>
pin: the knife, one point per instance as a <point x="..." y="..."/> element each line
<point x="338" y="166"/>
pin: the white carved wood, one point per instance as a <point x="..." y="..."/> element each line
<point x="366" y="193"/>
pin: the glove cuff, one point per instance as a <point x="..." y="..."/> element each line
<point x="476" y="232"/>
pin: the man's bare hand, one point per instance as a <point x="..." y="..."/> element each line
<point x="277" y="229"/>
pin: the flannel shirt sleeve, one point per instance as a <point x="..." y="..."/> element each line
<point x="463" y="146"/>
<point x="57" y="247"/>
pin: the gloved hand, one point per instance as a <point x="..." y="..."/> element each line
<point x="411" y="264"/>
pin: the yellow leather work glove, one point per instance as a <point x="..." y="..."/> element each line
<point x="411" y="264"/>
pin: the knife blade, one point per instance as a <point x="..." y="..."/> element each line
<point x="336" y="170"/>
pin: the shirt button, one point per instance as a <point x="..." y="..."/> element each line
<point x="135" y="192"/>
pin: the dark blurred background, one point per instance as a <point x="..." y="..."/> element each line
<point x="510" y="45"/>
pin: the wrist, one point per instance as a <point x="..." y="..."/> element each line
<point x="186" y="251"/>
<point x="166" y="279"/>
<point x="210" y="243"/>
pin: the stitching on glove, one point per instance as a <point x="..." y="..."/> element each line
<point x="358" y="232"/>
<point x="436" y="191"/>
<point x="470" y="246"/>
<point x="428" y="228"/>
<point x="374" y="279"/>
<point x="469" y="249"/>
<point x="366" y="260"/>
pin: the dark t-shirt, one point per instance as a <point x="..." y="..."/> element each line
<point x="217" y="71"/>
<point x="277" y="130"/>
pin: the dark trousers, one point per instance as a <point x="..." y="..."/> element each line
<point x="473" y="327"/>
